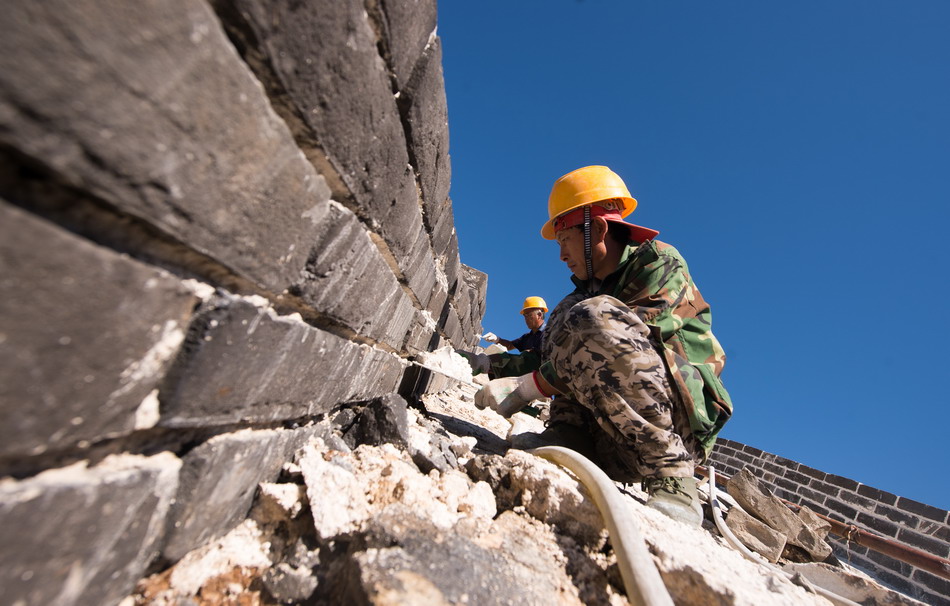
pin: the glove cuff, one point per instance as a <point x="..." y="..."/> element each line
<point x="529" y="389"/>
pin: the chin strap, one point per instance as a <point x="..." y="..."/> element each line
<point x="587" y="252"/>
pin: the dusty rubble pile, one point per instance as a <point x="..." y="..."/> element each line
<point x="398" y="505"/>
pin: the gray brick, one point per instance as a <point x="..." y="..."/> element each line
<point x="746" y="458"/>
<point x="790" y="487"/>
<point x="877" y="495"/>
<point x="753" y="451"/>
<point x="242" y="362"/>
<point x="928" y="544"/>
<point x="877" y="524"/>
<point x="87" y="332"/>
<point x="828" y="489"/>
<point x="131" y="108"/>
<point x="932" y="582"/>
<point x="80" y="535"/>
<point x="857" y="500"/>
<point x="810" y="496"/>
<point x="848" y="513"/>
<point x="841" y="482"/>
<point x="888" y="563"/>
<point x="798" y="478"/>
<point x="921" y="509"/>
<point x="813" y="473"/>
<point x="904" y="519"/>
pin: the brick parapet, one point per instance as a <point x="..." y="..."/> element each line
<point x="901" y="519"/>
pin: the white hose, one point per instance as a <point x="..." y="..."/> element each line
<point x="640" y="577"/>
<point x="738" y="546"/>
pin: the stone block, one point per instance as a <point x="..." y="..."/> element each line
<point x="219" y="479"/>
<point x="407" y="26"/>
<point x="348" y="279"/>
<point x="441" y="223"/>
<point x="382" y="420"/>
<point x="322" y="62"/>
<point x="758" y="501"/>
<point x="85" y="335"/>
<point x="147" y="106"/>
<point x="477" y="281"/>
<point x="756" y="535"/>
<point x="450" y="263"/>
<point x="419" y="268"/>
<point x="243" y="362"/>
<point x="427" y="118"/>
<point x="451" y="327"/>
<point x="79" y="535"/>
<point x="420" y="335"/>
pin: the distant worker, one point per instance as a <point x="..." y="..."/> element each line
<point x="629" y="356"/>
<point x="533" y="311"/>
<point x="529" y="344"/>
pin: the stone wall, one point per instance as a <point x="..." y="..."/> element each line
<point x="896" y="518"/>
<point x="219" y="221"/>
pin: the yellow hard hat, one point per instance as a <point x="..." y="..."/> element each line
<point x="586" y="186"/>
<point x="534" y="302"/>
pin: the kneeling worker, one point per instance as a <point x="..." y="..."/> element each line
<point x="629" y="355"/>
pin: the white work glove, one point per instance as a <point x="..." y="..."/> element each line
<point x="478" y="361"/>
<point x="490" y="337"/>
<point x="509" y="395"/>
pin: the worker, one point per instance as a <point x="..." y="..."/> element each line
<point x="533" y="311"/>
<point x="629" y="356"/>
<point x="529" y="344"/>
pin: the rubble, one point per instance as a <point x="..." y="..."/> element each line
<point x="370" y="525"/>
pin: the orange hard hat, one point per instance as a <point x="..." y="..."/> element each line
<point x="592" y="185"/>
<point x="534" y="302"/>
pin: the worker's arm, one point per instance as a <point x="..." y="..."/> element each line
<point x="506" y="344"/>
<point x="514" y="365"/>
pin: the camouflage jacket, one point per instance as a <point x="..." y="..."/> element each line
<point x="653" y="279"/>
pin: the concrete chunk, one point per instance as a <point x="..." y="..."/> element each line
<point x="79" y="535"/>
<point x="86" y="335"/>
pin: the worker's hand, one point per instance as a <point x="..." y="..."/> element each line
<point x="478" y="361"/>
<point x="490" y="337"/>
<point x="509" y="395"/>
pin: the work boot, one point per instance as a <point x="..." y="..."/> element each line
<point x="560" y="434"/>
<point x="675" y="497"/>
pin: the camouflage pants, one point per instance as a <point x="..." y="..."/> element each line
<point x="620" y="391"/>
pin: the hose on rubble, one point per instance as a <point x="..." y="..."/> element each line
<point x="640" y="577"/>
<point x="745" y="551"/>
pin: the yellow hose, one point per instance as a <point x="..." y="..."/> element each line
<point x="640" y="577"/>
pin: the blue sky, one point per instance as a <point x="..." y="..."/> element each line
<point x="796" y="153"/>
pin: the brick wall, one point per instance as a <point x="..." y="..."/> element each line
<point x="219" y="221"/>
<point x="898" y="518"/>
